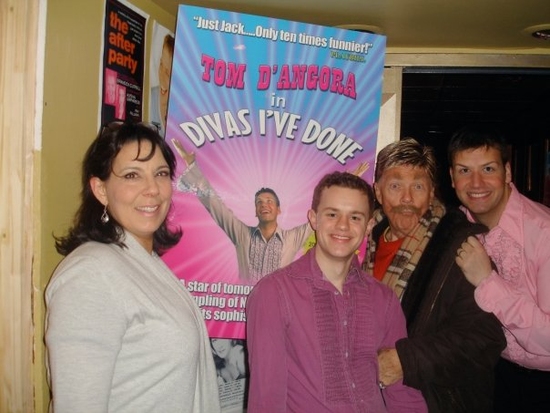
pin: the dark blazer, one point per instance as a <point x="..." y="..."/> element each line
<point x="453" y="345"/>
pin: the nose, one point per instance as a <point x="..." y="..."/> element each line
<point x="343" y="222"/>
<point x="476" y="179"/>
<point x="151" y="186"/>
<point x="406" y="196"/>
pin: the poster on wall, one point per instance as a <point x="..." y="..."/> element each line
<point x="259" y="110"/>
<point x="122" y="64"/>
<point x="160" y="70"/>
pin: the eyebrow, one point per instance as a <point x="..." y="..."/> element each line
<point x="484" y="164"/>
<point x="331" y="209"/>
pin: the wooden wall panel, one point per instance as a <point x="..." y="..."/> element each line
<point x="18" y="46"/>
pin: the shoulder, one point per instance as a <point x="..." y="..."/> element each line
<point x="86" y="265"/>
<point x="380" y="289"/>
<point x="377" y="291"/>
<point x="535" y="213"/>
<point x="90" y="253"/>
<point x="280" y="282"/>
<point x="525" y="218"/>
<point x="455" y="225"/>
<point x="269" y="284"/>
<point x="454" y="217"/>
<point x="298" y="232"/>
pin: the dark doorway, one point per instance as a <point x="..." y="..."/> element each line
<point x="438" y="101"/>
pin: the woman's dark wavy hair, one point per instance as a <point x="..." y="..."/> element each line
<point x="98" y="162"/>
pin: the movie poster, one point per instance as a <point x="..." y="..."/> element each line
<point x="256" y="103"/>
<point x="123" y="62"/>
<point x="160" y="72"/>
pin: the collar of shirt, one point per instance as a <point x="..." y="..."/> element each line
<point x="510" y="221"/>
<point x="256" y="232"/>
<point x="314" y="272"/>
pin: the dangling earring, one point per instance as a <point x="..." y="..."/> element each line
<point x="105" y="216"/>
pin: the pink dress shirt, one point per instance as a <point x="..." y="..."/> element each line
<point x="314" y="349"/>
<point x="518" y="293"/>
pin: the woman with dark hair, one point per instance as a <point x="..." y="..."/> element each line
<point x="229" y="358"/>
<point x="122" y="332"/>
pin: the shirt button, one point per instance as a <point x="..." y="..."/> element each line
<point x="347" y="354"/>
<point x="345" y="322"/>
<point x="353" y="385"/>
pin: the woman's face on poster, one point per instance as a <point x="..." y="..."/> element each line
<point x="221" y="347"/>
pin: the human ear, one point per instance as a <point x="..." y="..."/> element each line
<point x="508" y="172"/>
<point x="98" y="189"/>
<point x="378" y="193"/>
<point x="312" y="217"/>
<point x="452" y="177"/>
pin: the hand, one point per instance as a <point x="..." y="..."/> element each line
<point x="389" y="366"/>
<point x="360" y="169"/>
<point x="188" y="157"/>
<point x="473" y="260"/>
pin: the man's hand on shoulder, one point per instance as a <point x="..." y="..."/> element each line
<point x="473" y="260"/>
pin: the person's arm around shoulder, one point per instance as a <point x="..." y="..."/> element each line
<point x="528" y="314"/>
<point x="266" y="332"/>
<point x="399" y="397"/>
<point x="84" y="329"/>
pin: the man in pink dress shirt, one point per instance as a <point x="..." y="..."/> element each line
<point x="509" y="266"/>
<point x="315" y="326"/>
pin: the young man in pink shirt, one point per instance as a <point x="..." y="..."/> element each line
<point x="509" y="266"/>
<point x="315" y="326"/>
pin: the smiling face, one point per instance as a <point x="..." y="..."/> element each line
<point x="137" y="193"/>
<point x="405" y="193"/>
<point x="221" y="347"/>
<point x="340" y="223"/>
<point x="481" y="182"/>
<point x="267" y="209"/>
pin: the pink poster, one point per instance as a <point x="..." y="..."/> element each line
<point x="261" y="109"/>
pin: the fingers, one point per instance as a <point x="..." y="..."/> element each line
<point x="473" y="242"/>
<point x="179" y="147"/>
<point x="470" y="245"/>
<point x="188" y="157"/>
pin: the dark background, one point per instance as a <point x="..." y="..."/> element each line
<point x="437" y="102"/>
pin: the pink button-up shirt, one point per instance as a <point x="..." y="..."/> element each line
<point x="314" y="349"/>
<point x="518" y="293"/>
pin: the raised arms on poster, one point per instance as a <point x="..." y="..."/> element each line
<point x="261" y="249"/>
<point x="360" y="169"/>
<point x="188" y="157"/>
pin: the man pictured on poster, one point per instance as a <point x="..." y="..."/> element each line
<point x="120" y="102"/>
<point x="315" y="326"/>
<point x="260" y="249"/>
<point x="160" y="92"/>
<point x="110" y="87"/>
